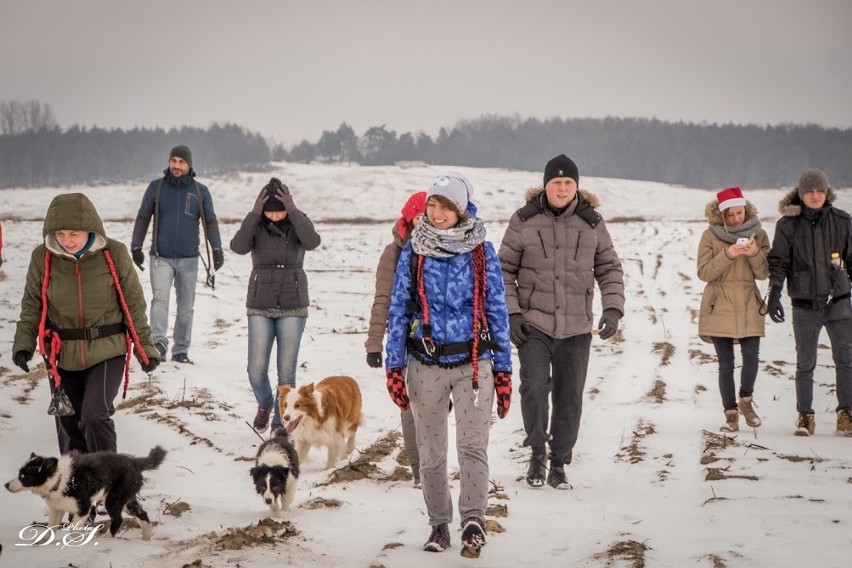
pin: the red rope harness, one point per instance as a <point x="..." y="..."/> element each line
<point x="480" y="321"/>
<point x="131" y="338"/>
<point x="48" y="335"/>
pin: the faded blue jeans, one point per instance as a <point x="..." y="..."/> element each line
<point x="183" y="273"/>
<point x="287" y="333"/>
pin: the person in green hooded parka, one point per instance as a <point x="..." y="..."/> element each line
<point x="85" y="311"/>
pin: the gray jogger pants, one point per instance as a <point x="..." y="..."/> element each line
<point x="429" y="389"/>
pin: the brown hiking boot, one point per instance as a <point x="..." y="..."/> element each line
<point x="805" y="425"/>
<point x="746" y="407"/>
<point x="732" y="421"/>
<point x="844" y="422"/>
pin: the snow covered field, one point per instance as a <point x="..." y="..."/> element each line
<point x="654" y="483"/>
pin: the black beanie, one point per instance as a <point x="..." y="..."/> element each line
<point x="272" y="203"/>
<point x="183" y="152"/>
<point x="561" y="166"/>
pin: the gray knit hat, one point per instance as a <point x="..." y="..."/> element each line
<point x="182" y="152"/>
<point x="811" y="180"/>
<point x="454" y="187"/>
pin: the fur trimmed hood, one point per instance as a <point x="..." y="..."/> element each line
<point x="590" y="197"/>
<point x="791" y="205"/>
<point x="714" y="216"/>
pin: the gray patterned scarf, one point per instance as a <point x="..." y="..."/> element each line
<point x="444" y="243"/>
<point x="731" y="234"/>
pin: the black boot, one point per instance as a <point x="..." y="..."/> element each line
<point x="556" y="478"/>
<point x="537" y="468"/>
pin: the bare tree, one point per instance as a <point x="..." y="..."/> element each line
<point x="22" y="116"/>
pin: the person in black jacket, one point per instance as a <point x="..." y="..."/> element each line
<point x="277" y="234"/>
<point x="812" y="250"/>
<point x="177" y="203"/>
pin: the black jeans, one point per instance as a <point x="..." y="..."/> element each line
<point x="557" y="367"/>
<point x="92" y="392"/>
<point x="807" y="325"/>
<point x="750" y="349"/>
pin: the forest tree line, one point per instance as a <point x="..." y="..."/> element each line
<point x="694" y="155"/>
<point x="35" y="152"/>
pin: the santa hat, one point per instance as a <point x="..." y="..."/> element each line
<point x="416" y="205"/>
<point x="730" y="197"/>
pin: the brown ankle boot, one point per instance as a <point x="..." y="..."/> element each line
<point x="746" y="407"/>
<point x="732" y="421"/>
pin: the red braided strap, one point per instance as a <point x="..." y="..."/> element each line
<point x="479" y="321"/>
<point x="131" y="335"/>
<point x="45" y="334"/>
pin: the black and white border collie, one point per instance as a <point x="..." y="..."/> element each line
<point x="276" y="471"/>
<point x="74" y="483"/>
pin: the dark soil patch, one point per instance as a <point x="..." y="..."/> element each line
<point x="658" y="393"/>
<point x="265" y="532"/>
<point x="322" y="503"/>
<point x="493" y="527"/>
<point x="176" y="509"/>
<point x="701" y="356"/>
<point x="629" y="550"/>
<point x="634" y="452"/>
<point x="497" y="511"/>
<point x="719" y="473"/>
<point x="666" y="351"/>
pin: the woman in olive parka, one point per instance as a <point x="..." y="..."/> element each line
<point x="85" y="312"/>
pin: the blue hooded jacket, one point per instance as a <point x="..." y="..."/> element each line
<point x="448" y="283"/>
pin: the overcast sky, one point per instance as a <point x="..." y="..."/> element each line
<point x="292" y="69"/>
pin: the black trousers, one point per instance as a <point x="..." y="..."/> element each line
<point x="92" y="392"/>
<point x="554" y="367"/>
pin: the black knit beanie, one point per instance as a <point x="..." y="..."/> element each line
<point x="561" y="166"/>
<point x="183" y="152"/>
<point x="272" y="204"/>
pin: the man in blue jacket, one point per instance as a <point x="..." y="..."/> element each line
<point x="176" y="202"/>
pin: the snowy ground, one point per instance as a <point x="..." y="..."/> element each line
<point x="654" y="483"/>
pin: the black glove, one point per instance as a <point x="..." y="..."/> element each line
<point x="1" y="261"/>
<point x="20" y="358"/>
<point x="152" y="364"/>
<point x="374" y="360"/>
<point x="518" y="329"/>
<point x="261" y="200"/>
<point x="218" y="259"/>
<point x="138" y="258"/>
<point x="609" y="323"/>
<point x="776" y="310"/>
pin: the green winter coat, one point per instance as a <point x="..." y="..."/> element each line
<point x="81" y="293"/>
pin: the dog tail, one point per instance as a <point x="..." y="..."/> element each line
<point x="154" y="459"/>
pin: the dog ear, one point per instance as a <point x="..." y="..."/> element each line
<point x="307" y="390"/>
<point x="33" y="455"/>
<point x="49" y="464"/>
<point x="254" y="471"/>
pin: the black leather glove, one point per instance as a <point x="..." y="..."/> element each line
<point x="20" y="358"/>
<point x="776" y="310"/>
<point x="518" y="329"/>
<point x="138" y="258"/>
<point x="152" y="364"/>
<point x="374" y="360"/>
<point x="261" y="200"/>
<point x="609" y="323"/>
<point x="218" y="259"/>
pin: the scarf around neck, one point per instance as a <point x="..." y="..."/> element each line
<point x="731" y="234"/>
<point x="444" y="243"/>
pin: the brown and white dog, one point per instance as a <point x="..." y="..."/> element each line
<point x="327" y="414"/>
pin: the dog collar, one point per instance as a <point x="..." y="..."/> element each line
<point x="56" y="485"/>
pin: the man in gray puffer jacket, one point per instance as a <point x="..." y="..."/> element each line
<point x="554" y="250"/>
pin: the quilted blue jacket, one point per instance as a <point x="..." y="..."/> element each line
<point x="449" y="292"/>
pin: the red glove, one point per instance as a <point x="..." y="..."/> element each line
<point x="396" y="388"/>
<point x="503" y="392"/>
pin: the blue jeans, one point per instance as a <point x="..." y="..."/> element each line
<point x="183" y="273"/>
<point x="262" y="331"/>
